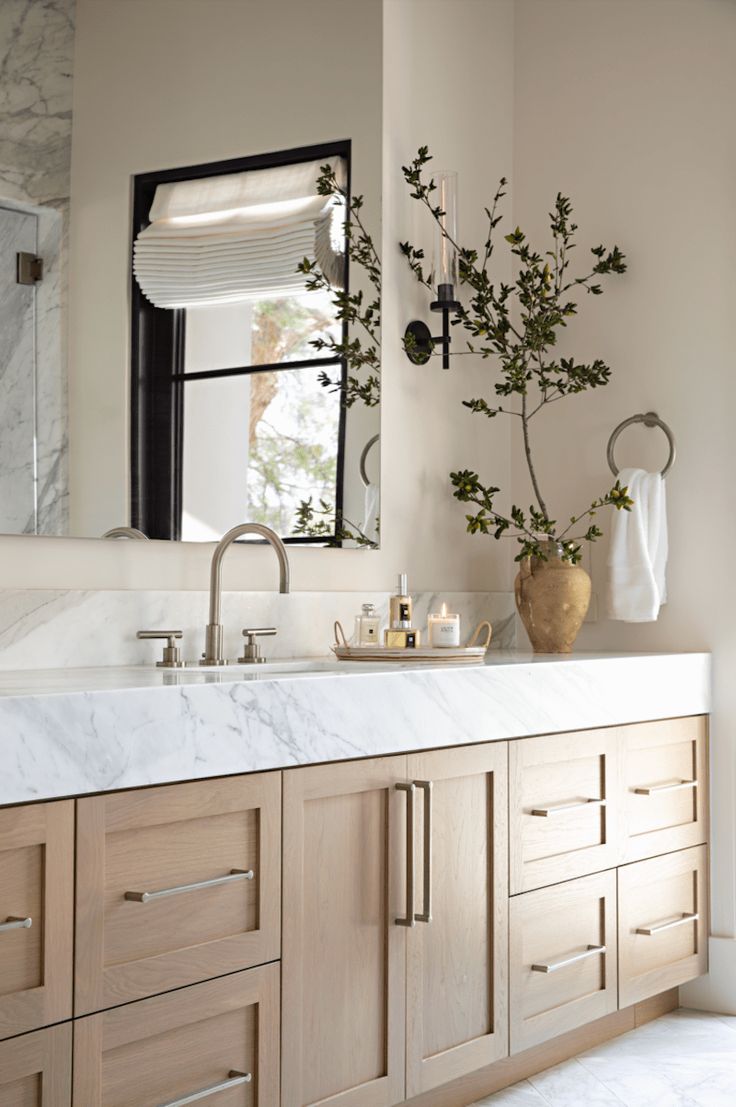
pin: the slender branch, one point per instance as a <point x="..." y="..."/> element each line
<point x="530" y="463"/>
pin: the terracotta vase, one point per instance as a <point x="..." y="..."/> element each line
<point x="552" y="598"/>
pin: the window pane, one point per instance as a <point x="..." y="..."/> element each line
<point x="260" y="332"/>
<point x="254" y="448"/>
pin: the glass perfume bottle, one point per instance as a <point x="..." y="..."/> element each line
<point x="367" y="626"/>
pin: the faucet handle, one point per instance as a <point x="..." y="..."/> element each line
<point x="172" y="653"/>
<point x="251" y="650"/>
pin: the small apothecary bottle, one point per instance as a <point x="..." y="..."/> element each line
<point x="367" y="626"/>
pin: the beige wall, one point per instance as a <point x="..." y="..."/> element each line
<point x="628" y="106"/>
<point x="150" y="92"/>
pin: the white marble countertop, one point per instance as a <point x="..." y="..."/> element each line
<point x="68" y="732"/>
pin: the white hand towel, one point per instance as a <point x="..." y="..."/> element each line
<point x="637" y="559"/>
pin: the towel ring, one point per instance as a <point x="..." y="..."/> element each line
<point x="649" y="419"/>
<point x="366" y="450"/>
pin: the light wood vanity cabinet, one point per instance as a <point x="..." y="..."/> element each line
<point x="36" y="915"/>
<point x="175" y="885"/>
<point x="220" y="1038"/>
<point x="375" y="1010"/>
<point x="441" y="911"/>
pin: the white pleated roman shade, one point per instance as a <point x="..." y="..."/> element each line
<point x="240" y="236"/>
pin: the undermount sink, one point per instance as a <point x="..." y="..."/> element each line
<point x="285" y="665"/>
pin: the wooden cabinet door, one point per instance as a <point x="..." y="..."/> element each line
<point x="344" y="973"/>
<point x="36" y="1069"/>
<point x="663" y="923"/>
<point x="563" y="806"/>
<point x="36" y="915"/>
<point x="562" y="958"/>
<point x="664" y="787"/>
<point x="176" y="885"/>
<point x="219" y="1039"/>
<point x="457" y="950"/>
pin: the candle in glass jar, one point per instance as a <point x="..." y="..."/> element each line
<point x="444" y="629"/>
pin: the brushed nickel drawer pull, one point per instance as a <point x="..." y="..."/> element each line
<point x="235" y="875"/>
<point x="676" y="786"/>
<point x="426" y="914"/>
<point x="560" y="808"/>
<point x="14" y="923"/>
<point x="553" y="966"/>
<point x="234" y="1079"/>
<point x="686" y="917"/>
<point x="410" y="790"/>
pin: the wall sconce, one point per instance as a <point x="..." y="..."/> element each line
<point x="419" y="340"/>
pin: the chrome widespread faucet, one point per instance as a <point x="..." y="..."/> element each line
<point x="213" y="651"/>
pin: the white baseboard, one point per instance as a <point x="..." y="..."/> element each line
<point x="717" y="990"/>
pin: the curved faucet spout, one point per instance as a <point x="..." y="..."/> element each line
<point x="214" y="637"/>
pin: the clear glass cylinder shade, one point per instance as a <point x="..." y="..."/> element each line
<point x="444" y="260"/>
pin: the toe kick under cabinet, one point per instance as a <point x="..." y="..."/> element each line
<point x="405" y="928"/>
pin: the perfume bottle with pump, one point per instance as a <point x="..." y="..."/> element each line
<point x="400" y="607"/>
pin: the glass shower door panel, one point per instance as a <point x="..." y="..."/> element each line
<point x="18" y="232"/>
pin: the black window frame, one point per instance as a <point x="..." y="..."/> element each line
<point x="157" y="376"/>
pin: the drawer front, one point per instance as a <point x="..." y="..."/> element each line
<point x="563" y="792"/>
<point x="562" y="958"/>
<point x="218" y="1038"/>
<point x="664" y="787"/>
<point x="663" y="923"/>
<point x="36" y="909"/>
<point x="36" y="1069"/>
<point x="176" y="885"/>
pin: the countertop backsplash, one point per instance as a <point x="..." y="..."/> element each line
<point x="42" y="629"/>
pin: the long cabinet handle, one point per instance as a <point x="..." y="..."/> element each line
<point x="410" y="789"/>
<point x="234" y="876"/>
<point x="560" y="808"/>
<point x="686" y="917"/>
<point x="675" y="786"/>
<point x="426" y="915"/>
<point x="553" y="966"/>
<point x="234" y="1079"/>
<point x="13" y="922"/>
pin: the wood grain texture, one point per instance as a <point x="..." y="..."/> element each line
<point x="37" y="882"/>
<point x="509" y="1071"/>
<point x="344" y="972"/>
<point x="651" y="893"/>
<point x="660" y="753"/>
<point x="36" y="1069"/>
<point x="555" y="770"/>
<point x="166" y="1047"/>
<point x="164" y="837"/>
<point x="549" y="925"/>
<point x="456" y="963"/>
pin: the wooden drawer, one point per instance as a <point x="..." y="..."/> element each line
<point x="663" y="923"/>
<point x="36" y="1069"/>
<point x="170" y="1048"/>
<point x="664" y="787"/>
<point x="562" y="958"/>
<point x="36" y="904"/>
<point x="563" y="811"/>
<point x="181" y="841"/>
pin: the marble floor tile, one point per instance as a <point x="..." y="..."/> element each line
<point x="684" y="1059"/>
<point x="570" y="1083"/>
<point x="518" y="1095"/>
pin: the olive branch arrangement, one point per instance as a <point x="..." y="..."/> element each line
<point x="517" y="324"/>
<point x="360" y="315"/>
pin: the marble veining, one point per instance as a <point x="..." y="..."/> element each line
<point x="42" y="629"/>
<point x="684" y="1059"/>
<point x="154" y="727"/>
